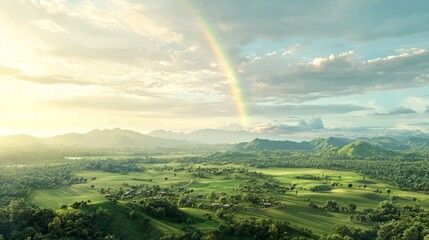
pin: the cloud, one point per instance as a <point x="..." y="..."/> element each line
<point x="52" y="6"/>
<point x="7" y="71"/>
<point x="293" y="49"/>
<point x="283" y="80"/>
<point x="420" y="124"/>
<point x="398" y="111"/>
<point x="148" y="106"/>
<point x="315" y="124"/>
<point x="48" y="25"/>
<point x="303" y="109"/>
<point x="275" y="20"/>
<point x="53" y="79"/>
<point x="140" y="18"/>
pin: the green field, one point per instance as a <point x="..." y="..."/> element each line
<point x="294" y="209"/>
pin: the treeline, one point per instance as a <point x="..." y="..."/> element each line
<point x="245" y="229"/>
<point x="114" y="166"/>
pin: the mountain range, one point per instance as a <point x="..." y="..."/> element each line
<point x="210" y="136"/>
<point x="161" y="138"/>
<point x="96" y="139"/>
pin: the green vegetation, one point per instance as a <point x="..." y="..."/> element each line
<point x="361" y="149"/>
<point x="246" y="194"/>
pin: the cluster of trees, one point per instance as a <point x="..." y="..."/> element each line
<point x="20" y="220"/>
<point x="162" y="208"/>
<point x="332" y="205"/>
<point x="394" y="222"/>
<point x="114" y="166"/>
<point x="246" y="229"/>
<point x="17" y="182"/>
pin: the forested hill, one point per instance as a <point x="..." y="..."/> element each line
<point x="364" y="149"/>
<point x="265" y="144"/>
<point x="345" y="148"/>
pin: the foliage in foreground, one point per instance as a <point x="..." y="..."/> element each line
<point x="393" y="222"/>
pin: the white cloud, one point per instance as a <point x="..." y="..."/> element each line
<point x="127" y="16"/>
<point x="48" y="25"/>
<point x="50" y="6"/>
<point x="292" y="80"/>
<point x="419" y="104"/>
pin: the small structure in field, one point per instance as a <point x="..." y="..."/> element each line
<point x="215" y="205"/>
<point x="267" y="204"/>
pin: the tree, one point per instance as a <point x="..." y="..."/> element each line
<point x="331" y="205"/>
<point x="166" y="178"/>
<point x="219" y="214"/>
<point x="273" y="231"/>
<point x="212" y="195"/>
<point x="352" y="207"/>
<point x="350" y="185"/>
<point x="388" y="191"/>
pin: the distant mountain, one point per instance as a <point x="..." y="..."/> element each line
<point x="392" y="144"/>
<point x="20" y="139"/>
<point x="246" y="141"/>
<point x="265" y="144"/>
<point x="416" y="142"/>
<point x="208" y="136"/>
<point x="362" y="149"/>
<point x="323" y="144"/>
<point x="112" y="138"/>
<point x="398" y="144"/>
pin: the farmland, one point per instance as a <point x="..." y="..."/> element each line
<point x="309" y="185"/>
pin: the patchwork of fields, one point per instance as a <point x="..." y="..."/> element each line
<point x="294" y="204"/>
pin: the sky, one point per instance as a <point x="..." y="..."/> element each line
<point x="287" y="68"/>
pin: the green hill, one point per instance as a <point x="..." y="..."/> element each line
<point x="129" y="221"/>
<point x="265" y="144"/>
<point x="362" y="149"/>
<point x="322" y="144"/>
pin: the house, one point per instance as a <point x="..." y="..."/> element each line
<point x="215" y="205"/>
<point x="267" y="204"/>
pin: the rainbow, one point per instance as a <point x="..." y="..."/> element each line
<point x="222" y="58"/>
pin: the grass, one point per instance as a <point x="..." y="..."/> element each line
<point x="296" y="209"/>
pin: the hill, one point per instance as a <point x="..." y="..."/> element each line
<point x="265" y="144"/>
<point x="387" y="143"/>
<point x="20" y="139"/>
<point x="112" y="138"/>
<point x="322" y="144"/>
<point x="362" y="149"/>
<point x="129" y="221"/>
<point x="416" y="142"/>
